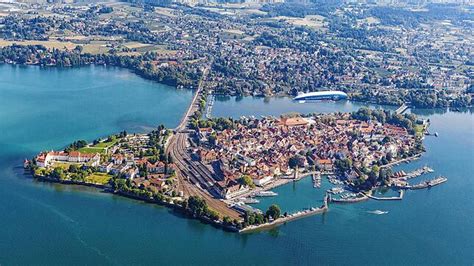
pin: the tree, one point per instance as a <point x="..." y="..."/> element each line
<point x="213" y="215"/>
<point x="374" y="174"/>
<point x="227" y="220"/>
<point x="58" y="173"/>
<point x="296" y="161"/>
<point x="342" y="165"/>
<point x="197" y="206"/>
<point x="73" y="168"/>
<point x="273" y="211"/>
<point x="247" y="180"/>
<point x="213" y="139"/>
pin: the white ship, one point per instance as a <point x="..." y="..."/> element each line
<point x="265" y="194"/>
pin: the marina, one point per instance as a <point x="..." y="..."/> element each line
<point x="290" y="217"/>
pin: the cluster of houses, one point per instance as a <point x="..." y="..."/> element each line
<point x="261" y="149"/>
<point x="122" y="159"/>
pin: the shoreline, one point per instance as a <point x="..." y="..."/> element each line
<point x="107" y="189"/>
<point x="176" y="86"/>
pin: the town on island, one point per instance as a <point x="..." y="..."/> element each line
<point x="214" y="169"/>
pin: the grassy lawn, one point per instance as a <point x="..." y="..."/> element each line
<point x="419" y="130"/>
<point x="63" y="165"/>
<point x="99" y="178"/>
<point x="92" y="150"/>
<point x="99" y="147"/>
<point x="106" y="144"/>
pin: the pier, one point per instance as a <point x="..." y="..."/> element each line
<point x="427" y="184"/>
<point x="417" y="173"/>
<point x="317" y="180"/>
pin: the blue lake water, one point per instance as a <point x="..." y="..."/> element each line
<point x="55" y="224"/>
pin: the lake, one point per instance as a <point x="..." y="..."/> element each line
<point x="47" y="108"/>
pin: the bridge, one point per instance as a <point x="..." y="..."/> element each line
<point x="402" y="109"/>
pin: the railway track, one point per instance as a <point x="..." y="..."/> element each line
<point x="194" y="179"/>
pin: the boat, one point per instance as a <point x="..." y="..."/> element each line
<point x="265" y="194"/>
<point x="335" y="190"/>
<point x="378" y="212"/>
<point x="249" y="200"/>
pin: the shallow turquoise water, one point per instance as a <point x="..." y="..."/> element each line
<point x="54" y="224"/>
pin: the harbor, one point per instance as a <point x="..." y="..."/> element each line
<point x="290" y="217"/>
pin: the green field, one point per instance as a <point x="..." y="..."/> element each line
<point x="100" y="147"/>
<point x="63" y="165"/>
<point x="98" y="178"/>
<point x="419" y="130"/>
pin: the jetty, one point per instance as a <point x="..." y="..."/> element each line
<point x="317" y="180"/>
<point x="427" y="184"/>
<point x="417" y="172"/>
<point x="399" y="197"/>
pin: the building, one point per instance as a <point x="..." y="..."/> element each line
<point x="321" y="95"/>
<point x="46" y="159"/>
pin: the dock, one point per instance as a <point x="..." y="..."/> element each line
<point x="317" y="180"/>
<point x="417" y="173"/>
<point x="427" y="184"/>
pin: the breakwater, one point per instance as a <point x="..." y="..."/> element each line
<point x="399" y="197"/>
<point x="427" y="184"/>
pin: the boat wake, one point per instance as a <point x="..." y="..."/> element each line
<point x="378" y="212"/>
